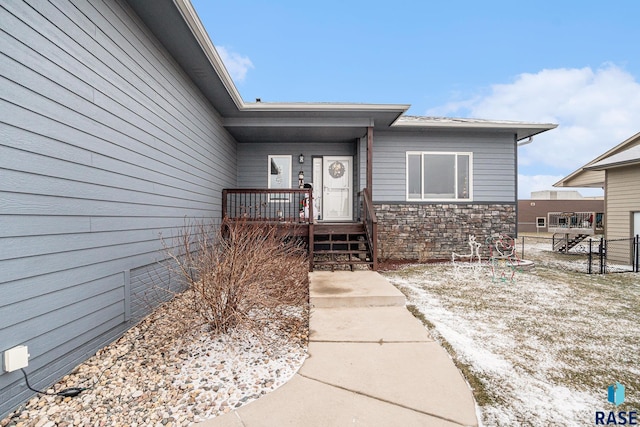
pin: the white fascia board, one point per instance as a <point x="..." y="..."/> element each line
<point x="297" y="122"/>
<point x="323" y="106"/>
<point x="193" y="21"/>
<point x="475" y="124"/>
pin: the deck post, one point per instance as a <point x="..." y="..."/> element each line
<point x="369" y="188"/>
<point x="310" y="229"/>
<point x="224" y="205"/>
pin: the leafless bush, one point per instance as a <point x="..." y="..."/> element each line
<point x="242" y="275"/>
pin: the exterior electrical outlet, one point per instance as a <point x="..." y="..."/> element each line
<point x="16" y="358"/>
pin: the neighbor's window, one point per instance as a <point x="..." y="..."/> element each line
<point x="541" y="222"/>
<point x="439" y="176"/>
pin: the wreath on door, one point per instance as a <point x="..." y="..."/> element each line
<point x="336" y="169"/>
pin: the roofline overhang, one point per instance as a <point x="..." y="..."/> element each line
<point x="192" y="20"/>
<point x="190" y="16"/>
<point x="212" y="77"/>
<point x="586" y="168"/>
<point x="523" y="129"/>
<point x="623" y="163"/>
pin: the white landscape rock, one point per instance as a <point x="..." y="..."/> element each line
<point x="146" y="379"/>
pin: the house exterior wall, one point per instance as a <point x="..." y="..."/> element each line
<point x="424" y="230"/>
<point x="494" y="166"/>
<point x="530" y="210"/>
<point x="253" y="159"/>
<point x="622" y="199"/>
<point x="105" y="144"/>
<point x="253" y="162"/>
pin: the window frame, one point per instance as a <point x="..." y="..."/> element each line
<point x="455" y="172"/>
<point x="544" y="222"/>
<point x="288" y="177"/>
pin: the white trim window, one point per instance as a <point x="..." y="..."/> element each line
<point x="439" y="176"/>
<point x="279" y="176"/>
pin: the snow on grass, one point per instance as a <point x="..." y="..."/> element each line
<point x="545" y="347"/>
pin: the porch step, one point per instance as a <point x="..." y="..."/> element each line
<point x="341" y="245"/>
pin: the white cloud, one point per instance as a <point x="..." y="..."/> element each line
<point x="595" y="110"/>
<point x="237" y="65"/>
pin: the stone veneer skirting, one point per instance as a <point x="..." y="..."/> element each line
<point x="429" y="232"/>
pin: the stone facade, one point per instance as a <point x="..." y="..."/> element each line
<point x="430" y="232"/>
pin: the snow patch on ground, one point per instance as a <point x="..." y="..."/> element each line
<point x="545" y="346"/>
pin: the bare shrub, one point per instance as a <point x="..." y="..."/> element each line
<point x="242" y="275"/>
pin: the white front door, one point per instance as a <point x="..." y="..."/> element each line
<point x="337" y="184"/>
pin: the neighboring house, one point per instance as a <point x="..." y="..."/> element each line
<point x="618" y="172"/>
<point x="119" y="122"/>
<point x="535" y="214"/>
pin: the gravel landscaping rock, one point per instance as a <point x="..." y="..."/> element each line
<point x="170" y="370"/>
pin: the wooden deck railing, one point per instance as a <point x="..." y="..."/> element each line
<point x="290" y="210"/>
<point x="371" y="226"/>
<point x="576" y="222"/>
<point x="268" y="205"/>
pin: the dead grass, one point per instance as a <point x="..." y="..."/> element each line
<point x="541" y="350"/>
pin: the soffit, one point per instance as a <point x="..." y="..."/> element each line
<point x="596" y="178"/>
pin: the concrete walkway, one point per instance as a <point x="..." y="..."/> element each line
<point x="370" y="363"/>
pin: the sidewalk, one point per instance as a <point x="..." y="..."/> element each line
<point x="370" y="363"/>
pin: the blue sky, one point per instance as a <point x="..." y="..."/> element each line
<point x="574" y="63"/>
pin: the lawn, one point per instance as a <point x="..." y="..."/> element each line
<point x="540" y="350"/>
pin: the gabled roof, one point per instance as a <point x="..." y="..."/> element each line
<point x="630" y="156"/>
<point x="592" y="174"/>
<point x="176" y="24"/>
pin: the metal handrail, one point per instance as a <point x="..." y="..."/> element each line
<point x="370" y="221"/>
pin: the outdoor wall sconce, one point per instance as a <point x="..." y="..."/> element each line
<point x="301" y="158"/>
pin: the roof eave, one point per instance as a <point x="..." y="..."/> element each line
<point x="200" y="33"/>
<point x="613" y="165"/>
<point x="523" y="130"/>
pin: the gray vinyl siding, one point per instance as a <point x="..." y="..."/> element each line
<point x="494" y="168"/>
<point x="253" y="164"/>
<point x="362" y="160"/>
<point x="105" y="145"/>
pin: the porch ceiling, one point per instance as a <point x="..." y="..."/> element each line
<point x="318" y="126"/>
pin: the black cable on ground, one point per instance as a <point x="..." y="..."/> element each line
<point x="67" y="392"/>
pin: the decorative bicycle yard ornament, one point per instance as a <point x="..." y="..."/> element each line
<point x="503" y="258"/>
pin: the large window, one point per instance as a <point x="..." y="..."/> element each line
<point x="439" y="176"/>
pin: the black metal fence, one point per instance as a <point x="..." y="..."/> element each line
<point x="592" y="255"/>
